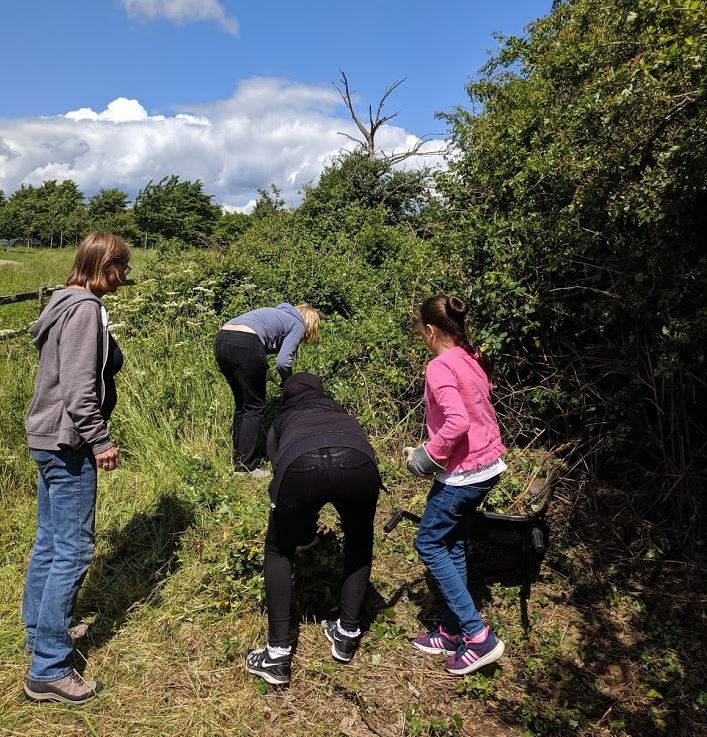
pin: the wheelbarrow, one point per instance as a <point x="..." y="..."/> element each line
<point x="526" y="535"/>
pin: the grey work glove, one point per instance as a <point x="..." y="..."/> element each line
<point x="420" y="462"/>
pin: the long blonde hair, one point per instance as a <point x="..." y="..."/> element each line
<point x="311" y="323"/>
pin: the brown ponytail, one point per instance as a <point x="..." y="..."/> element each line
<point x="447" y="314"/>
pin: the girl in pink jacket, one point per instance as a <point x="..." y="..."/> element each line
<point x="464" y="455"/>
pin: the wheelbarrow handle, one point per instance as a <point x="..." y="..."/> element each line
<point x="538" y="540"/>
<point x="397" y="517"/>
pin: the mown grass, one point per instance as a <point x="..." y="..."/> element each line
<point x="174" y="597"/>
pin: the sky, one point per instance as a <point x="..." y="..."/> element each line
<point x="113" y="93"/>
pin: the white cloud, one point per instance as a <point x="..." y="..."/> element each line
<point x="245" y="209"/>
<point x="182" y="11"/>
<point x="269" y="131"/>
<point x="121" y="110"/>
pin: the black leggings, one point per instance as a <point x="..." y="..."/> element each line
<point x="350" y="481"/>
<point x="243" y="362"/>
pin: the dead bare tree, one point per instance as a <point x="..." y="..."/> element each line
<point x="368" y="144"/>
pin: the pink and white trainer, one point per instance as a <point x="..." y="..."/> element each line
<point x="474" y="652"/>
<point x="437" y="642"/>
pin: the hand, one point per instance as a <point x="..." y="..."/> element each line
<point x="285" y="374"/>
<point x="108" y="460"/>
<point x="420" y="462"/>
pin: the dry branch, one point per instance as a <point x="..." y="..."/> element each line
<point x="368" y="143"/>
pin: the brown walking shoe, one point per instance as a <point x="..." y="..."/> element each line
<point x="72" y="689"/>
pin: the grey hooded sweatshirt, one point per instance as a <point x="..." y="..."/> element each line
<point x="71" y="336"/>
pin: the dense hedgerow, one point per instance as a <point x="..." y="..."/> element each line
<point x="576" y="243"/>
<point x="577" y="206"/>
<point x="366" y="357"/>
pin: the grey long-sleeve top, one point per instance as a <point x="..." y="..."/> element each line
<point x="280" y="329"/>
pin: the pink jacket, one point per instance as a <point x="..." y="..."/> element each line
<point x="461" y="423"/>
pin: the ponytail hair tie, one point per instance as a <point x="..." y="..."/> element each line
<point x="456" y="308"/>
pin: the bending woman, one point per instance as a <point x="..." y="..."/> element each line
<point x="320" y="454"/>
<point x="241" y="348"/>
<point x="464" y="454"/>
<point x="67" y="432"/>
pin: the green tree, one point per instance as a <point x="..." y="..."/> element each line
<point x="268" y="203"/>
<point x="355" y="180"/>
<point x="22" y="213"/>
<point x="230" y="227"/>
<point x="66" y="212"/>
<point x="173" y="209"/>
<point x="108" y="210"/>
<point x="3" y="223"/>
<point x="360" y="198"/>
<point x="53" y="213"/>
<point x="107" y="202"/>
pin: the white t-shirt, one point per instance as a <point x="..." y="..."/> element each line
<point x="466" y="478"/>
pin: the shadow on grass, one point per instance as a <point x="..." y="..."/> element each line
<point x="637" y="667"/>
<point x="317" y="574"/>
<point x="318" y="577"/>
<point x="488" y="563"/>
<point x="140" y="555"/>
<point x="633" y="663"/>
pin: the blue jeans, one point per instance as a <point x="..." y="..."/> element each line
<point x="441" y="543"/>
<point x="62" y="552"/>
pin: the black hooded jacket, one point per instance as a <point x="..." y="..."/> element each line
<point x="309" y="420"/>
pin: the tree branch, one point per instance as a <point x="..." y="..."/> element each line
<point x="376" y="122"/>
<point x="345" y="95"/>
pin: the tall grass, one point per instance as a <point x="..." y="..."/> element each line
<point x="165" y="510"/>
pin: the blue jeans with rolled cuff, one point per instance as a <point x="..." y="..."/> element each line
<point x="441" y="543"/>
<point x="62" y="552"/>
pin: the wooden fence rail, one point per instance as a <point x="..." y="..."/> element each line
<point x="9" y="299"/>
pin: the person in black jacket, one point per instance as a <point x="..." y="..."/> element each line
<point x="319" y="454"/>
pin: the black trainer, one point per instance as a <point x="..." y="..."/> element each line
<point x="274" y="670"/>
<point x="342" y="646"/>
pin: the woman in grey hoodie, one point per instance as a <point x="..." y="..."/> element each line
<point x="67" y="432"/>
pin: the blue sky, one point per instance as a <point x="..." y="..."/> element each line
<point x="252" y="75"/>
